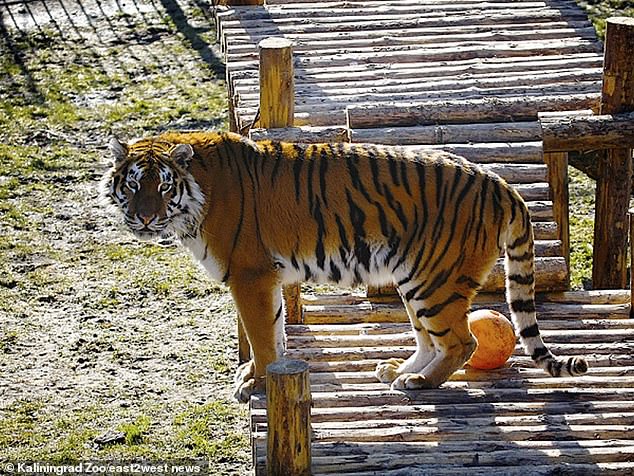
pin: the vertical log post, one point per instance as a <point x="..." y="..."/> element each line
<point x="631" y="216"/>
<point x="288" y="451"/>
<point x="609" y="263"/>
<point x="277" y="109"/>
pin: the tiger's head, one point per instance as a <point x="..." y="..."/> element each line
<point x="151" y="185"/>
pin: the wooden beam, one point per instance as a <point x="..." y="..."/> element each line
<point x="277" y="109"/>
<point x="588" y="132"/>
<point x="609" y="268"/>
<point x="288" y="432"/>
<point x="510" y="109"/>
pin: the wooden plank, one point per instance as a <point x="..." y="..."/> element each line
<point x="464" y="111"/>
<point x="450" y="133"/>
<point x="595" y="297"/>
<point x="381" y="83"/>
<point x="272" y="26"/>
<point x="403" y="412"/>
<point x="594" y="469"/>
<point x="344" y="10"/>
<point x="369" y="329"/>
<point x="357" y="41"/>
<point x="406" y="338"/>
<point x="380" y="312"/>
<point x="448" y="51"/>
<point x="462" y="396"/>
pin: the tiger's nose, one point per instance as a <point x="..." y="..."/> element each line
<point x="146" y="219"/>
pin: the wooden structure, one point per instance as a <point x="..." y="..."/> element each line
<point x="472" y="78"/>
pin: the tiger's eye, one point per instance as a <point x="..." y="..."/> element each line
<point x="133" y="185"/>
<point x="165" y="187"/>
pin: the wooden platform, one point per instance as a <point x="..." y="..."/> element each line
<point x="512" y="421"/>
<point x="469" y="77"/>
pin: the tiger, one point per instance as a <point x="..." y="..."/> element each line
<point x="261" y="215"/>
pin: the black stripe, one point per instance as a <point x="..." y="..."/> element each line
<point x="393" y="169"/>
<point x="569" y="366"/>
<point x="540" y="354"/>
<point x="278" y="314"/>
<point x="420" y="171"/>
<point x="308" y="274"/>
<point x="410" y="294"/>
<point x="321" y="231"/>
<point x="523" y="305"/>
<point x="309" y="180"/>
<point x="323" y="168"/>
<point x="396" y="207"/>
<point x="438" y="308"/>
<point x="297" y="171"/>
<point x="342" y="233"/>
<point x="294" y="262"/>
<point x="519" y="279"/>
<point x="483" y="202"/>
<point x="335" y="273"/>
<point x="439" y="334"/>
<point x="439" y="280"/>
<point x="529" y="255"/>
<point x="277" y="157"/>
<point x="374" y="169"/>
<point x="404" y="177"/>
<point x="469" y="281"/>
<point x="532" y="331"/>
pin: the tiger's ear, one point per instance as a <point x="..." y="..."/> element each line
<point x="118" y="149"/>
<point x="182" y="154"/>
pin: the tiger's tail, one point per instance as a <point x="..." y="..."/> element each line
<point x="520" y="295"/>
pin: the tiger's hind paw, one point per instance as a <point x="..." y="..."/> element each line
<point x="387" y="370"/>
<point x="411" y="382"/>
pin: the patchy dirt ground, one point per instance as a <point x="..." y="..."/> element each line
<point x="109" y="348"/>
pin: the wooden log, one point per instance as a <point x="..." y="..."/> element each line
<point x="450" y="133"/>
<point x="611" y="296"/>
<point x="275" y="26"/>
<point x="558" y="181"/>
<point x="470" y="110"/>
<point x="277" y="96"/>
<point x="462" y="396"/>
<point x="609" y="268"/>
<point x="588" y="133"/>
<point x="449" y="51"/>
<point x="631" y="217"/>
<point x="306" y="134"/>
<point x="380" y="313"/>
<point x="289" y="431"/>
<point x="357" y="41"/>
<point x="277" y="106"/>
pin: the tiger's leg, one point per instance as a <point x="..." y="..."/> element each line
<point x="261" y="310"/>
<point x="448" y="328"/>
<point x="388" y="370"/>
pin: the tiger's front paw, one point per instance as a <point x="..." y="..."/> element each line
<point x="246" y="384"/>
<point x="387" y="371"/>
<point x="411" y="382"/>
<point x="245" y="372"/>
<point x="244" y="390"/>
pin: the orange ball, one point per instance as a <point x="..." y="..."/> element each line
<point x="495" y="336"/>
